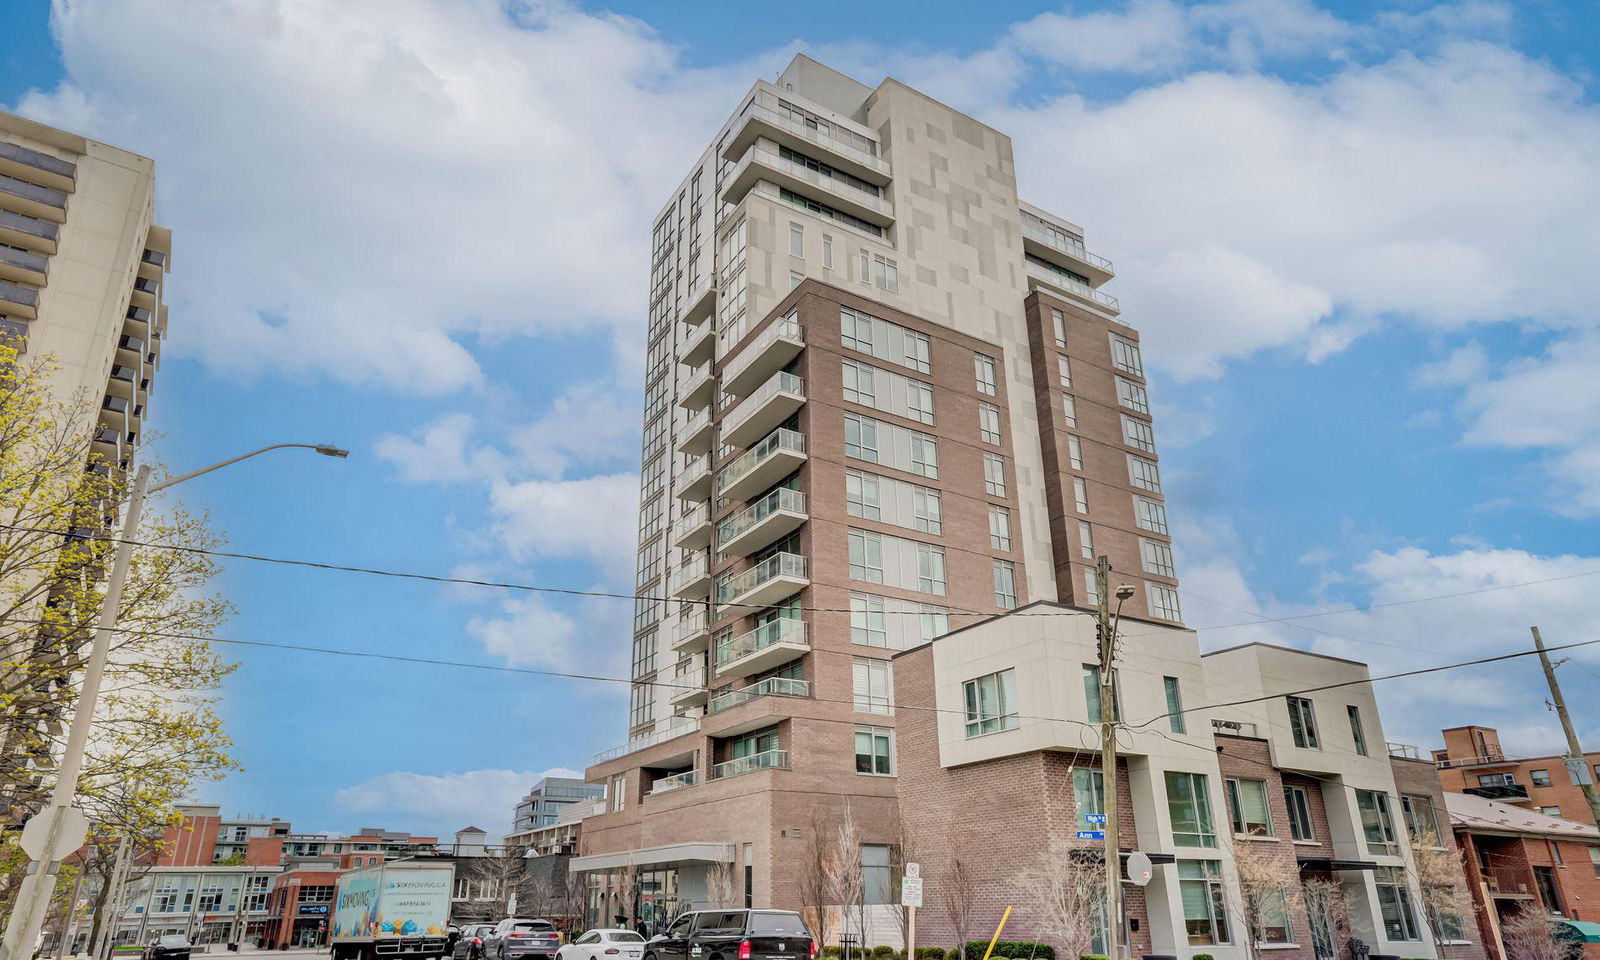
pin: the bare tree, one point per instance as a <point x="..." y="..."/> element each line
<point x="719" y="885"/>
<point x="815" y="889"/>
<point x="900" y="852"/>
<point x="957" y="892"/>
<point x="1269" y="890"/>
<point x="1532" y="937"/>
<point x="1069" y="891"/>
<point x="1327" y="912"/>
<point x="842" y="868"/>
<point x="1437" y="870"/>
<point x="571" y="893"/>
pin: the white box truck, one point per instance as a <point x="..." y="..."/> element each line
<point x="399" y="909"/>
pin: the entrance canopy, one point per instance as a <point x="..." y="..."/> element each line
<point x="656" y="856"/>
<point x="1580" y="931"/>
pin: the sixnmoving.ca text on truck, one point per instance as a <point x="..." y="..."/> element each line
<point x="397" y="909"/>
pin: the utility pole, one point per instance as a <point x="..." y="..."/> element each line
<point x="1574" y="748"/>
<point x="1105" y="631"/>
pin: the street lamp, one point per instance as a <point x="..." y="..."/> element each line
<point x="64" y="825"/>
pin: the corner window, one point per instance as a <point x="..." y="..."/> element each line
<point x="991" y="702"/>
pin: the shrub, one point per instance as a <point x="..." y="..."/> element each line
<point x="831" y="950"/>
<point x="1204" y="956"/>
<point x="931" y="953"/>
<point x="1093" y="956"/>
<point x="1011" y="950"/>
<point x="883" y="952"/>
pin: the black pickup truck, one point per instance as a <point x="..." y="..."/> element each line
<point x="734" y="935"/>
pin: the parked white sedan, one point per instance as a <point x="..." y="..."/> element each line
<point x="604" y="945"/>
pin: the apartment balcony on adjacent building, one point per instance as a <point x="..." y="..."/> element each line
<point x="32" y="200"/>
<point x="1503" y="788"/>
<point x="779" y="454"/>
<point x="769" y="352"/>
<point x="693" y="529"/>
<point x="694" y="481"/>
<point x="673" y="781"/>
<point x="767" y="760"/>
<point x="692" y="633"/>
<point x="669" y="729"/>
<point x="108" y="444"/>
<point x="770" y="645"/>
<point x="697" y="433"/>
<point x="767" y="117"/>
<point x="1052" y="242"/>
<point x="1058" y="280"/>
<point x="770" y="687"/>
<point x="146" y="293"/>
<point x="698" y="345"/>
<point x="691" y="580"/>
<point x="152" y="263"/>
<point x="764" y="522"/>
<point x="41" y="168"/>
<point x="23" y="266"/>
<point x="20" y="230"/>
<point x="697" y="388"/>
<point x="19" y="300"/>
<point x="687" y="688"/>
<point x="701" y="302"/>
<point x="770" y="405"/>
<point x="789" y="170"/>
<point x="123" y="381"/>
<point x="131" y="350"/>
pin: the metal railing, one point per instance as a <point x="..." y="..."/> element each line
<point x="676" y="727"/>
<point x="688" y="778"/>
<point x="1404" y="751"/>
<point x="782" y="499"/>
<point x="24" y="259"/>
<point x="786" y="327"/>
<point x="1058" y="278"/>
<point x="1065" y="245"/>
<point x="762" y="637"/>
<point x="1448" y="762"/>
<point x="847" y="192"/>
<point x="1238" y="728"/>
<point x="770" y="687"/>
<point x="770" y="760"/>
<point x="776" y="441"/>
<point x="780" y="382"/>
<point x="800" y="129"/>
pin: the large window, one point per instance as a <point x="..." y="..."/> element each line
<point x="1058" y="324"/>
<point x="1303" y="723"/>
<point x="888" y="500"/>
<point x="1064" y="371"/>
<point x="1132" y="395"/>
<point x="874" y="685"/>
<point x="1272" y="915"/>
<point x="876" y="875"/>
<point x="1376" y="823"/>
<point x="1150" y="515"/>
<point x="1205" y="914"/>
<point x="875" y="751"/>
<point x="1085" y="540"/>
<point x="989" y="423"/>
<point x="1089" y="798"/>
<point x="1190" y="809"/>
<point x="1075" y="453"/>
<point x="1156" y="556"/>
<point x="887" y="391"/>
<point x="999" y="528"/>
<point x="1080" y="495"/>
<point x="866" y="556"/>
<point x="994" y="474"/>
<point x="1138" y="434"/>
<point x="1144" y="474"/>
<point x="1357" y="735"/>
<point x="1125" y="356"/>
<point x="1247" y="802"/>
<point x="991" y="703"/>
<point x="894" y="623"/>
<point x="884" y="340"/>
<point x="984" y="368"/>
<point x="1174" y="704"/>
<point x="890" y="444"/>
<point x="1394" y="901"/>
<point x="1299" y="803"/>
<point x="1069" y="410"/>
<point x="1005" y="584"/>
<point x="1163" y="600"/>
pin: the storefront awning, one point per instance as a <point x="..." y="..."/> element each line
<point x="1329" y="863"/>
<point x="1579" y="931"/>
<point x="656" y="856"/>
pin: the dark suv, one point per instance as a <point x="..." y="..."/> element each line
<point x="734" y="935"/>
<point x="519" y="939"/>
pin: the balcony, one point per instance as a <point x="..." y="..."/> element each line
<point x="775" y="457"/>
<point x="692" y="633"/>
<point x="770" y="760"/>
<point x="687" y="689"/>
<point x="33" y="200"/>
<point x="761" y="120"/>
<point x="698" y="346"/>
<point x="43" y="168"/>
<point x="695" y="438"/>
<point x="764" y="522"/>
<point x="669" y="730"/>
<point x="21" y="266"/>
<point x="30" y="232"/>
<point x="1509" y="792"/>
<point x="693" y="529"/>
<point x="769" y="645"/>
<point x="698" y="386"/>
<point x="1053" y="278"/>
<point x="694" y="483"/>
<point x="770" y="687"/>
<point x="758" y="414"/>
<point x="1056" y="246"/>
<point x="17" y="300"/>
<point x="152" y="264"/>
<point x="692" y="581"/>
<point x="761" y="163"/>
<point x="687" y="778"/>
<point x="769" y="352"/>
<point x="701" y="302"/>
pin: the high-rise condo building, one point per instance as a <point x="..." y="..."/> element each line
<point x="884" y="398"/>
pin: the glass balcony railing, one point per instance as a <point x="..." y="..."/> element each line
<point x="670" y="729"/>
<point x="779" y="440"/>
<point x="688" y="778"/>
<point x="686" y="684"/>
<point x="1060" y="241"/>
<point x="1058" y="278"/>
<point x="806" y="131"/>
<point x="784" y="499"/>
<point x="770" y="687"/>
<point x="775" y="566"/>
<point x="770" y="760"/>
<point x="762" y="637"/>
<point x="779" y="383"/>
<point x="694" y="569"/>
<point x="692" y="625"/>
<point x="787" y="328"/>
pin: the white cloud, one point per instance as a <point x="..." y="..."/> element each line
<point x="438" y="452"/>
<point x="353" y="185"/>
<point x="1465" y="364"/>
<point x="445" y="803"/>
<point x="594" y="518"/>
<point x="584" y="637"/>
<point x="588" y="424"/>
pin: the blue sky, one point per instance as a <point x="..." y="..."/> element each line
<point x="1356" y="238"/>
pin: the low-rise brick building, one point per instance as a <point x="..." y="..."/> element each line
<point x="1473" y="762"/>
